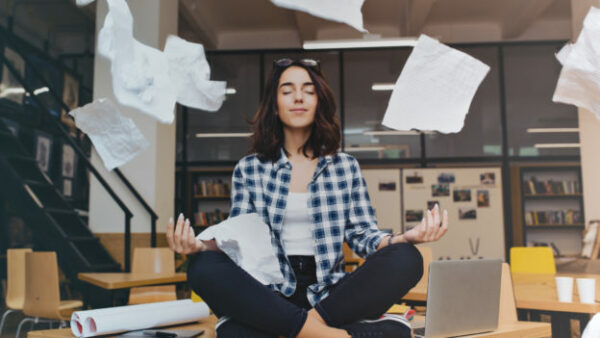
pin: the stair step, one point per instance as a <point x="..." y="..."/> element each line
<point x="80" y="239"/>
<point x="27" y="168"/>
<point x="49" y="197"/>
<point x="61" y="211"/>
<point x="42" y="184"/>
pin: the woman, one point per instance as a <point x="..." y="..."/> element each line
<point x="313" y="198"/>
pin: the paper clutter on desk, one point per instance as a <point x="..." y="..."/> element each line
<point x="246" y="239"/>
<point x="579" y="80"/>
<point x="435" y="89"/>
<point x="136" y="317"/>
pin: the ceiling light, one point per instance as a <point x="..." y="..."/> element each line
<point x="557" y="145"/>
<point x="41" y="90"/>
<point x="395" y="132"/>
<point x="552" y="130"/>
<point x="230" y="91"/>
<point x="360" y="43"/>
<point x="12" y="91"/>
<point x="382" y="87"/>
<point x="220" y="135"/>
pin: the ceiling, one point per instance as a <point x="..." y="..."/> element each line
<point x="258" y="24"/>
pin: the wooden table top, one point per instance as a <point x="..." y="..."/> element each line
<point x="510" y="330"/>
<point x="536" y="292"/>
<point x="124" y="280"/>
<point x="208" y="325"/>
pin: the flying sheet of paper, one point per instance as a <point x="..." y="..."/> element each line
<point x="579" y="80"/>
<point x="140" y="74"/>
<point x="246" y="239"/>
<point x="435" y="89"/>
<point x="345" y="11"/>
<point x="115" y="137"/>
<point x="191" y="75"/>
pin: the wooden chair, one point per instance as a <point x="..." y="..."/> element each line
<point x="152" y="260"/>
<point x="15" y="293"/>
<point x="42" y="297"/>
<point x="351" y="259"/>
<point x="538" y="259"/>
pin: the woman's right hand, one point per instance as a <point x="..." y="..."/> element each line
<point x="181" y="237"/>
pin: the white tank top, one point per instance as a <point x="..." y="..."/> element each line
<point x="296" y="234"/>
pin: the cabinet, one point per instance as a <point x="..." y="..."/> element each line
<point x="552" y="206"/>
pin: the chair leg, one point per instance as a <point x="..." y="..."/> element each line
<point x="6" y="313"/>
<point x="25" y="320"/>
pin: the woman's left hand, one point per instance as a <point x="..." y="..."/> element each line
<point x="431" y="228"/>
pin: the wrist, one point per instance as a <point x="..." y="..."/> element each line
<point x="396" y="238"/>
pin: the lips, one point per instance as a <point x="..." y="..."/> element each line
<point x="298" y="110"/>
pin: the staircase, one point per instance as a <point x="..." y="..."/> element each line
<point x="55" y="224"/>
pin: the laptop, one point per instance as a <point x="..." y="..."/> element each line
<point x="463" y="297"/>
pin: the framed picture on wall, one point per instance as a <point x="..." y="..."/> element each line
<point x="43" y="150"/>
<point x="10" y="87"/>
<point x="69" y="161"/>
<point x="70" y="96"/>
<point x="67" y="189"/>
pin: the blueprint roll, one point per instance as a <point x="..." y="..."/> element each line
<point x="136" y="317"/>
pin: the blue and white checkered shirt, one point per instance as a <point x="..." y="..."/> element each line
<point x="339" y="208"/>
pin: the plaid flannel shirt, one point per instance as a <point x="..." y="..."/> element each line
<point x="339" y="208"/>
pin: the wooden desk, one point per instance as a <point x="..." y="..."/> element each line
<point x="102" y="286"/>
<point x="537" y="293"/>
<point x="510" y="330"/>
<point x="208" y="325"/>
<point x="125" y="280"/>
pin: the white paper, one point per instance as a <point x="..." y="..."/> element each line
<point x="435" y="89"/>
<point x="135" y="317"/>
<point x="579" y="80"/>
<point x="345" y="11"/>
<point x="115" y="137"/>
<point x="82" y="3"/>
<point x="140" y="73"/>
<point x="592" y="330"/>
<point x="246" y="239"/>
<point x="191" y="75"/>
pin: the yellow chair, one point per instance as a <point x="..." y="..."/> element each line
<point x="351" y="260"/>
<point x="42" y="297"/>
<point x="532" y="260"/>
<point x="15" y="293"/>
<point x="152" y="260"/>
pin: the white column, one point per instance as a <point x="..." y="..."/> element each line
<point x="152" y="173"/>
<point x="589" y="129"/>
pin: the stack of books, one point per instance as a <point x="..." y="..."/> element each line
<point x="205" y="218"/>
<point x="212" y="187"/>
<point x="550" y="187"/>
<point x="554" y="217"/>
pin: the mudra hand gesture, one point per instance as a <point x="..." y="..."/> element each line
<point x="181" y="237"/>
<point x="431" y="228"/>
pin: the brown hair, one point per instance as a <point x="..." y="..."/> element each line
<point x="267" y="137"/>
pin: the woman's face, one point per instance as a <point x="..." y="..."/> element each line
<point x="296" y="98"/>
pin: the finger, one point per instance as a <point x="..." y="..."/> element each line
<point x="184" y="236"/>
<point x="192" y="239"/>
<point x="169" y="233"/>
<point x="444" y="227"/>
<point x="436" y="215"/>
<point x="178" y="230"/>
<point x="430" y="225"/>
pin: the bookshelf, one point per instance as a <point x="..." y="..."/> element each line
<point x="208" y="196"/>
<point x="552" y="206"/>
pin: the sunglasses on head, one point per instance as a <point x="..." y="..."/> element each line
<point x="309" y="63"/>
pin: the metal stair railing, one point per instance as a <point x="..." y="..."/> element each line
<point x="79" y="151"/>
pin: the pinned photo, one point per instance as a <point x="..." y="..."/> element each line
<point x="414" y="179"/>
<point x="440" y="189"/>
<point x="387" y="186"/>
<point x="483" y="198"/>
<point x="462" y="195"/>
<point x="487" y="178"/>
<point x="431" y="204"/>
<point x="467" y="213"/>
<point x="414" y="215"/>
<point x="446" y="178"/>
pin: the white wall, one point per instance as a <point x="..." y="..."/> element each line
<point x="153" y="172"/>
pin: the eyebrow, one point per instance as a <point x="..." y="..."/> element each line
<point x="291" y="84"/>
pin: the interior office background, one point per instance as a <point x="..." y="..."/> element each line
<point x="242" y="39"/>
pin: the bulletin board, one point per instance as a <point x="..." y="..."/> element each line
<point x="385" y="193"/>
<point x="473" y="198"/>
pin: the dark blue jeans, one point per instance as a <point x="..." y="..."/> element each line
<point x="256" y="311"/>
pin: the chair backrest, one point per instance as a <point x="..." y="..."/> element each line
<point x="15" y="279"/>
<point x="508" y="305"/>
<point x="532" y="260"/>
<point x="152" y="260"/>
<point x="427" y="255"/>
<point x="42" y="297"/>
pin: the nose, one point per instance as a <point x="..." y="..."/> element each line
<point x="298" y="96"/>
